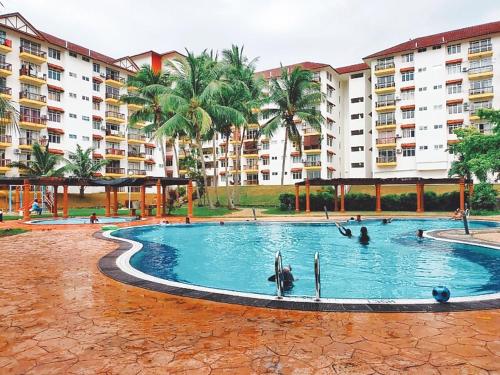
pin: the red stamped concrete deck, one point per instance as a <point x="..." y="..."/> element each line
<point x="59" y="314"/>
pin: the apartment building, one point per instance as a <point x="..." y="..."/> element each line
<point x="424" y="89"/>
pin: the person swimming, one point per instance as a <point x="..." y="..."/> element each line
<point x="420" y="233"/>
<point x="288" y="278"/>
<point x="358" y="218"/>
<point x="364" y="238"/>
<point x="344" y="231"/>
<point x="386" y="221"/>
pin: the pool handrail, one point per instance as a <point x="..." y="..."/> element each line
<point x="317" y="276"/>
<point x="278" y="271"/>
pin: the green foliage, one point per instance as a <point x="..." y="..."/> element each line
<point x="484" y="197"/>
<point x="11" y="232"/>
<point x="82" y="165"/>
<point x="42" y="163"/>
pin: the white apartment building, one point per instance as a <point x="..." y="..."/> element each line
<point x="423" y="90"/>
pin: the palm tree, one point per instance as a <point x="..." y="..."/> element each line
<point x="194" y="101"/>
<point x="8" y="111"/>
<point x="83" y="166"/>
<point x="151" y="86"/>
<point x="294" y="98"/>
<point x="42" y="163"/>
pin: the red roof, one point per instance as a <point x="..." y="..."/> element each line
<point x="276" y="72"/>
<point x="55" y="88"/>
<point x="55" y="67"/>
<point x="55" y="131"/>
<point x="56" y="151"/>
<point x="96" y="118"/>
<point x="441" y="38"/>
<point x="55" y="109"/>
<point x="352" y="68"/>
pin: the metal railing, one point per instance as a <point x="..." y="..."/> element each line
<point x="312" y="147"/>
<point x="386" y="159"/>
<point x="481" y="69"/>
<point x="33" y="119"/>
<point x="110" y="95"/>
<point x="32" y="96"/>
<point x="6" y="66"/>
<point x="6" y="91"/>
<point x="250" y="151"/>
<point x="278" y="273"/>
<point x="114" y="133"/>
<point x="33" y="51"/>
<point x="139" y="172"/>
<point x="383" y="66"/>
<point x="483" y="48"/>
<point x="115" y="170"/>
<point x="391" y="121"/>
<point x="6" y="42"/>
<point x="119" y="115"/>
<point x="317" y="276"/>
<point x="115" y="77"/>
<point x="385" y="103"/>
<point x="137" y="137"/>
<point x="385" y="85"/>
<point x="135" y="154"/>
<point x="4" y="162"/>
<point x="4" y="138"/>
<point x="115" y="151"/>
<point x="316" y="163"/>
<point x="308" y="130"/>
<point x="31" y="141"/>
<point x="37" y="75"/>
<point x="384" y="141"/>
<point x="474" y="107"/>
<point x="481" y="90"/>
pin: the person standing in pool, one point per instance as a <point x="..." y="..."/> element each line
<point x="288" y="278"/>
<point x="358" y="218"/>
<point x="364" y="238"/>
<point x="420" y="233"/>
<point x="344" y="231"/>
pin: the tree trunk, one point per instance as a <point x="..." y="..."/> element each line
<point x="203" y="169"/>
<point x="82" y="191"/>
<point x="284" y="158"/>
<point x="240" y="168"/>
<point x="216" y="176"/>
<point x="230" y="204"/>
<point x="163" y="156"/>
<point x="175" y="155"/>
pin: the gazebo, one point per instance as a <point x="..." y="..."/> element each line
<point x="110" y="185"/>
<point x="378" y="182"/>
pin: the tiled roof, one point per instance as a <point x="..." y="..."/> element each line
<point x="276" y="72"/>
<point x="441" y="38"/>
<point x="352" y="68"/>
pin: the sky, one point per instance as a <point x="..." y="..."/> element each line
<point x="334" y="32"/>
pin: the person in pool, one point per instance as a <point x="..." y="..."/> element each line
<point x="93" y="218"/>
<point x="420" y="233"/>
<point x="344" y="231"/>
<point x="358" y="218"/>
<point x="364" y="238"/>
<point x="288" y="278"/>
<point x="386" y="221"/>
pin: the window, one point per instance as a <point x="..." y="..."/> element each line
<point x="297" y="175"/>
<point x="85" y="118"/>
<point x="420" y="70"/>
<point x="274" y="158"/>
<point x="54" y="53"/>
<point x="96" y="68"/>
<point x="453" y="68"/>
<point x="71" y="74"/>
<point x="265" y="145"/>
<point x="422" y="109"/>
<point x="438" y="147"/>
<point x="385" y="81"/>
<point x="72" y="136"/>
<point x="73" y="54"/>
<point x="357" y="148"/>
<point x="96" y="86"/>
<point x="86" y="98"/>
<point x="72" y="115"/>
<point x="436" y="47"/>
<point x="329" y="141"/>
<point x="54" y="116"/>
<point x="455" y="88"/>
<point x="453" y="49"/>
<point x="265" y="161"/>
<point x="295" y="159"/>
<point x="422" y="127"/>
<point x="357" y="132"/>
<point x="356" y="116"/>
<point x="453" y="127"/>
<point x="422" y="88"/>
<point x="423" y="148"/>
<point x="409" y="133"/>
<point x="329" y="76"/>
<point x="54" y="138"/>
<point x="356" y="75"/>
<point x="357" y="100"/>
<point x="480" y="45"/>
<point x="407" y="95"/>
<point x="329" y="157"/>
<point x="437" y="87"/>
<point x="438" y="107"/>
<point x="85" y="138"/>
<point x="408" y="57"/>
<point x="455" y="108"/>
<point x="85" y="58"/>
<point x="420" y="50"/>
<point x="54" y="74"/>
<point x="72" y="95"/>
<point x="96" y="106"/>
<point x="96" y="125"/>
<point x="85" y="78"/>
<point x="149" y="151"/>
<point x="265" y="176"/>
<point x="329" y="107"/>
<point x="358" y="165"/>
<point x="409" y="151"/>
<point x="439" y="126"/>
<point x="407" y="76"/>
<point x="408" y="114"/>
<point x="54" y="95"/>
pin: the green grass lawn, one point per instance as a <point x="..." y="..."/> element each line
<point x="202" y="211"/>
<point x="11" y="232"/>
<point x="278" y="211"/>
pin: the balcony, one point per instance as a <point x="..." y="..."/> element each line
<point x="136" y="172"/>
<point x="312" y="149"/>
<point x="5" y="141"/>
<point x="114" y="136"/>
<point x="114" y="80"/>
<point x="481" y="93"/>
<point x="386" y="161"/>
<point x="385" y="69"/>
<point x="31" y="99"/>
<point x="27" y="143"/>
<point x="32" y="122"/>
<point x="480" y="52"/>
<point x="481" y="72"/>
<point x="5" y="45"/>
<point x="307" y="130"/>
<point x="384" y="88"/>
<point x="6" y="92"/>
<point x="251" y="152"/>
<point x="136" y="138"/>
<point x="386" y="124"/>
<point x="475" y="107"/>
<point x="312" y="165"/>
<point x="4" y="165"/>
<point x="6" y="119"/>
<point x="114" y="117"/>
<point x="115" y="172"/>
<point x="389" y="142"/>
<point x="33" y="55"/>
<point x="136" y="156"/>
<point x="112" y="98"/>
<point x="134" y="107"/>
<point x="5" y="69"/>
<point x="385" y="106"/>
<point x="31" y="77"/>
<point x="252" y="168"/>
<point x="114" y="153"/>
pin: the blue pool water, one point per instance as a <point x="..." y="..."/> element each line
<point x="82" y="220"/>
<point x="395" y="264"/>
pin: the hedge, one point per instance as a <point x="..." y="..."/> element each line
<point x="366" y="202"/>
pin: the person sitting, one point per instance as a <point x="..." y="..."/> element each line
<point x="364" y="238"/>
<point x="358" y="218"/>
<point x="188" y="220"/>
<point x="1" y="216"/>
<point x="93" y="218"/>
<point x="420" y="233"/>
<point x="386" y="221"/>
<point x="36" y="207"/>
<point x="288" y="278"/>
<point x="457" y="215"/>
<point x="344" y="231"/>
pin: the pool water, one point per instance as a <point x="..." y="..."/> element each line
<point x="82" y="220"/>
<point x="395" y="264"/>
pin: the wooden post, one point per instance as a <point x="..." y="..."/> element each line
<point x="65" y="201"/>
<point x="462" y="194"/>
<point x="26" y="201"/>
<point x="378" y="205"/>
<point x="17" y="198"/>
<point x="422" y="196"/>
<point x="336" y="199"/>
<point x="419" y="199"/>
<point x="297" y="201"/>
<point x="471" y="190"/>
<point x="158" y="198"/>
<point x="115" y="201"/>
<point x="308" y="196"/>
<point x="342" y="196"/>
<point x="54" y="208"/>
<point x="190" y="198"/>
<point x="144" y="211"/>
<point x="164" y="200"/>
<point x="108" y="201"/>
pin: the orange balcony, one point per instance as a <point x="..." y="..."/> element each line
<point x="5" y="69"/>
<point x="32" y="122"/>
<point x="5" y="45"/>
<point x="31" y="77"/>
<point x="114" y="153"/>
<point x="6" y="92"/>
<point x="33" y="55"/>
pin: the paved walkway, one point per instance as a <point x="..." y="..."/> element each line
<point x="59" y="314"/>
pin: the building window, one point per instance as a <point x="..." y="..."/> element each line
<point x="329" y="141"/>
<point x="422" y="109"/>
<point x="96" y="68"/>
<point x="96" y="125"/>
<point x="453" y="68"/>
<point x="438" y="147"/>
<point x="265" y="176"/>
<point x="407" y="76"/>
<point x="54" y="138"/>
<point x="424" y="88"/>
<point x="358" y="165"/>
<point x="357" y="148"/>
<point x="409" y="151"/>
<point x="356" y="116"/>
<point x="408" y="57"/>
<point x="420" y="70"/>
<point x="453" y="127"/>
<point x="455" y="88"/>
<point x="265" y="145"/>
<point x="423" y="148"/>
<point x="72" y="115"/>
<point x="54" y="116"/>
<point x="480" y="45"/>
<point x="454" y="48"/>
<point x="407" y="95"/>
<point x="295" y="159"/>
<point x="96" y="106"/>
<point x="96" y="86"/>
<point x="86" y="98"/>
<point x="357" y="132"/>
<point x="297" y="175"/>
<point x="73" y="54"/>
<point x="438" y="87"/>
<point x="329" y="107"/>
<point x="359" y="99"/>
<point x="455" y="108"/>
<point x="439" y="126"/>
<point x="85" y="78"/>
<point x="85" y="118"/>
<point x="72" y="136"/>
<point x="71" y="74"/>
<point x="85" y="58"/>
<point x="409" y="133"/>
<point x="329" y="158"/>
<point x="422" y="128"/>
<point x="54" y="74"/>
<point x="54" y="95"/>
<point x="72" y="95"/>
<point x="438" y="107"/>
<point x="408" y="114"/>
<point x="54" y="53"/>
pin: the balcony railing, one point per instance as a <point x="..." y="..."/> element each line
<point x="37" y="75"/>
<point x="110" y="95"/>
<point x="483" y="48"/>
<point x="32" y="96"/>
<point x="6" y="42"/>
<point x="4" y="138"/>
<point x="390" y="121"/>
<point x="250" y="151"/>
<point x="251" y="166"/>
<point x="251" y="182"/>
<point x="114" y="133"/>
<point x="481" y="69"/>
<point x="6" y="66"/>
<point x="385" y="103"/>
<point x="309" y="130"/>
<point x="481" y="90"/>
<point x="383" y="66"/>
<point x="5" y="90"/>
<point x="315" y="163"/>
<point x="312" y="147"/>
<point x="384" y="85"/>
<point x="115" y="77"/>
<point x="140" y="172"/>
<point x="115" y="151"/>
<point x="119" y="115"/>
<point x="4" y="162"/>
<point x="32" y="140"/>
<point x="136" y="137"/>
<point x="386" y="159"/>
<point x="33" y="119"/>
<point x="385" y="141"/>
<point x="33" y="51"/>
<point x="477" y="106"/>
<point x="135" y="154"/>
<point x="115" y="170"/>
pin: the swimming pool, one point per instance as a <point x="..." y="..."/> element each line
<point x="394" y="265"/>
<point x="82" y="220"/>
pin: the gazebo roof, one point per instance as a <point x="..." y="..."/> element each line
<point x="381" y="181"/>
<point x="74" y="181"/>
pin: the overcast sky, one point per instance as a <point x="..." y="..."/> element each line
<point x="277" y="31"/>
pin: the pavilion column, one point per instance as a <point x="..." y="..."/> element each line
<point x="471" y="189"/>
<point x="422" y="198"/>
<point x="378" y="205"/>
<point x="419" y="198"/>
<point x="190" y="198"/>
<point x="462" y="194"/>
<point x="108" y="201"/>
<point x="297" y="202"/>
<point x="17" y="197"/>
<point x="54" y="207"/>
<point x="65" y="201"/>
<point x="308" y="196"/>
<point x="26" y="201"/>
<point x="144" y="212"/>
<point x="336" y="199"/>
<point x="164" y="200"/>
<point x="158" y="198"/>
<point x="115" y="201"/>
<point x="342" y="198"/>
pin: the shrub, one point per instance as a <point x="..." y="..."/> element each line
<point x="484" y="197"/>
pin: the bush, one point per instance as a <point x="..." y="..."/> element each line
<point x="484" y="197"/>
